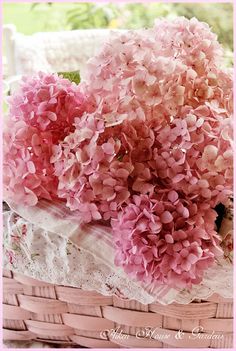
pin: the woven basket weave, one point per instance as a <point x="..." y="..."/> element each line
<point x="72" y="317"/>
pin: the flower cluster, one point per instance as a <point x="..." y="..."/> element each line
<point x="149" y="152"/>
<point x="169" y="239"/>
<point x="41" y="114"/>
<point x="154" y="154"/>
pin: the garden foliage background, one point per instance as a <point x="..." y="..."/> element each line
<point x="38" y="17"/>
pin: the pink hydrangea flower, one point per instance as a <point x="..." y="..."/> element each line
<point x="190" y="40"/>
<point x="42" y="113"/>
<point x="166" y="241"/>
<point x="48" y="103"/>
<point x="160" y="70"/>
<point x="88" y="171"/>
<point x="154" y="151"/>
<point x="149" y="150"/>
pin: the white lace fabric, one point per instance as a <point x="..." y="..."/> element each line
<point x="53" y="248"/>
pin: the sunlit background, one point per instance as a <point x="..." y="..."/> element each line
<point x="31" y="18"/>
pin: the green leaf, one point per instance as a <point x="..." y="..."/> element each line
<point x="72" y="76"/>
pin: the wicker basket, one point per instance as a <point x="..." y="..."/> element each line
<point x="72" y="317"/>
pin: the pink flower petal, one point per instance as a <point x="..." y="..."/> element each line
<point x="169" y="238"/>
<point x="178" y="178"/>
<point x="166" y="217"/>
<point x="173" y="196"/>
<point x="108" y="148"/>
<point x="31" y="167"/>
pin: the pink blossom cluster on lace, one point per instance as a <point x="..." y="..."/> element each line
<point x="152" y="153"/>
<point x="167" y="239"/>
<point x="155" y="156"/>
<point x="41" y="114"/>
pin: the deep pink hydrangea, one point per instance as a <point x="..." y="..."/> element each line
<point x="47" y="102"/>
<point x="166" y="240"/>
<point x="90" y="176"/>
<point x="41" y="114"/>
<point x="27" y="172"/>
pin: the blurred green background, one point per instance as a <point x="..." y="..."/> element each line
<point x="30" y="18"/>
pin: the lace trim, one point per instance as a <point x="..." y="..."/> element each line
<point x="46" y="256"/>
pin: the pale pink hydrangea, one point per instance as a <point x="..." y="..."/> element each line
<point x="156" y="71"/>
<point x="153" y="154"/>
<point x="190" y="41"/>
<point x="110" y="164"/>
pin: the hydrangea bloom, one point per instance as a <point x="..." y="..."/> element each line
<point x="41" y="114"/>
<point x="153" y="153"/>
<point x="149" y="149"/>
<point x="167" y="239"/>
<point x="160" y="70"/>
<point x="189" y="40"/>
<point x="47" y="102"/>
<point x="90" y="177"/>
